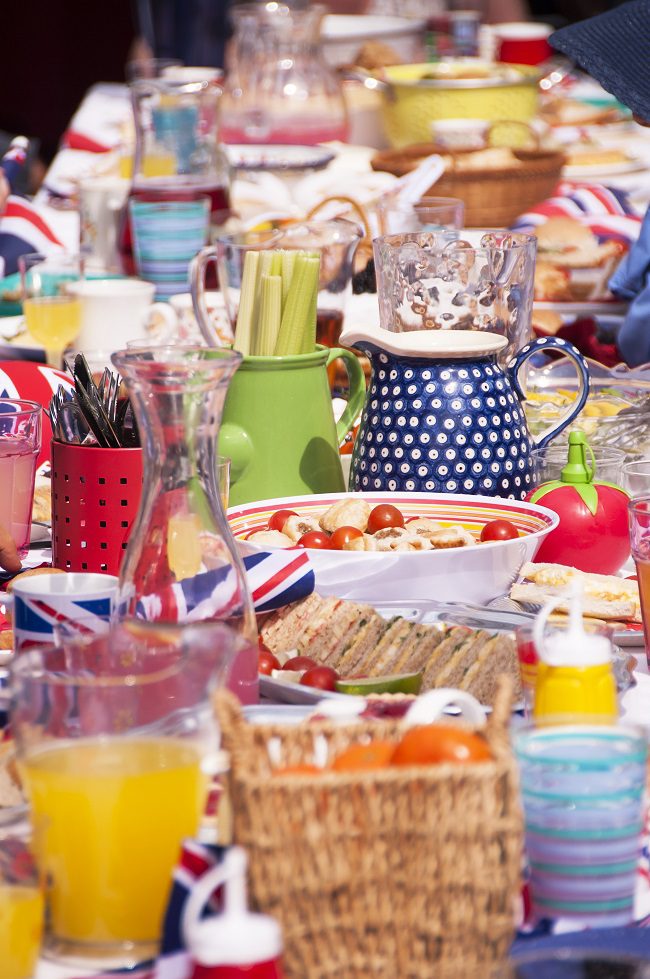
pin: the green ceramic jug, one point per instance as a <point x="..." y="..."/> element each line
<point x="278" y="427"/>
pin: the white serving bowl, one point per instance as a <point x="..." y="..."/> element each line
<point x="476" y="573"/>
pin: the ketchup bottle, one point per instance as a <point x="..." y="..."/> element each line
<point x="236" y="944"/>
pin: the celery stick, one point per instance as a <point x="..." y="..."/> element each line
<point x="310" y="327"/>
<point x="296" y="328"/>
<point x="246" y="311"/>
<point x="270" y="314"/>
<point x="288" y="264"/>
<point x="269" y="260"/>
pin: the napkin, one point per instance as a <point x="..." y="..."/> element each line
<point x="275" y="579"/>
<point x="607" y="211"/>
<point x="23" y="230"/>
<point x="101" y="121"/>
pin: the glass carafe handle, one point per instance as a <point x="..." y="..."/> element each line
<point x="198" y="265"/>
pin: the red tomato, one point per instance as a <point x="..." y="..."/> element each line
<point x="267" y="662"/>
<point x="321" y="677"/>
<point x="342" y="535"/>
<point x="279" y="518"/>
<point x="316" y="538"/>
<point x="499" y="530"/>
<point x="384" y="515"/>
<point x="299" y="663"/>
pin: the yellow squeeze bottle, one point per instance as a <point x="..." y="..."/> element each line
<point x="575" y="682"/>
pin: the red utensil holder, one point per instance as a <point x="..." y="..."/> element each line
<point x="95" y="499"/>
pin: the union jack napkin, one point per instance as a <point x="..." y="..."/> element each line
<point x="275" y="578"/>
<point x="605" y="210"/>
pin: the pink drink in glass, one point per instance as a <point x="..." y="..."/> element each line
<point x="17" y="473"/>
<point x="20" y="444"/>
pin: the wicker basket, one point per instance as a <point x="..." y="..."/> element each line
<point x="493" y="198"/>
<point x="397" y="874"/>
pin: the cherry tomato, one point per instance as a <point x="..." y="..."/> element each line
<point x="279" y="518"/>
<point x="499" y="530"/>
<point x="342" y="535"/>
<point x="384" y="515"/>
<point x="316" y="538"/>
<point x="299" y="663"/>
<point x="321" y="677"/>
<point x="267" y="662"/>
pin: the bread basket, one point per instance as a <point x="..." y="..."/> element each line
<point x="493" y="197"/>
<point x="395" y="874"/>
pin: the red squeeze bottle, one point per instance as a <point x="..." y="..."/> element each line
<point x="237" y="944"/>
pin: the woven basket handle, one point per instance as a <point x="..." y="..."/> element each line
<point x="526" y="127"/>
<point x="230" y="717"/>
<point x="499" y="719"/>
<point x="358" y="209"/>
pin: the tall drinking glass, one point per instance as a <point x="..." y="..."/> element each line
<point x="20" y="445"/>
<point x="52" y="311"/>
<point x="582" y="790"/>
<point x="479" y="280"/>
<point x="427" y="214"/>
<point x="117" y="744"/>
<point x="639" y="516"/>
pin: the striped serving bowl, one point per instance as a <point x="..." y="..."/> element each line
<point x="474" y="573"/>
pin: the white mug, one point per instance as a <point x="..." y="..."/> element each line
<point x="41" y="602"/>
<point x="101" y="203"/>
<point x="114" y="311"/>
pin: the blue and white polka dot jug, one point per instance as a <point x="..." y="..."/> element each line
<point x="442" y="415"/>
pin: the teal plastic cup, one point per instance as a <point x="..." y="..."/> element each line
<point x="166" y="237"/>
<point x="582" y="791"/>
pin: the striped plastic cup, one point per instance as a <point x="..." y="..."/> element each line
<point x="166" y="237"/>
<point x="582" y="789"/>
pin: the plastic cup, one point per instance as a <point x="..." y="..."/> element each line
<point x="582" y="790"/>
<point x="549" y="462"/>
<point x="167" y="235"/>
<point x="636" y="477"/>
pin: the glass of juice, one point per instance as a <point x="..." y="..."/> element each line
<point x="117" y="745"/>
<point x="20" y="445"/>
<point x="639" y="518"/>
<point x="21" y="910"/>
<point x="52" y="312"/>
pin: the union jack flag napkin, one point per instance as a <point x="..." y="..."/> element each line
<point x="605" y="210"/>
<point x="23" y="230"/>
<point x="275" y="579"/>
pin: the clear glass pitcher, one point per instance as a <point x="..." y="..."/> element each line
<point x="177" y="151"/>
<point x="279" y="88"/>
<point x="471" y="279"/>
<point x="182" y="564"/>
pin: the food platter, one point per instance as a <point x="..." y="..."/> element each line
<point x="584" y="171"/>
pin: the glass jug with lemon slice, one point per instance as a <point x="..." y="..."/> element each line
<point x="177" y="151"/>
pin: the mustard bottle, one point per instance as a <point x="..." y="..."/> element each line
<point x="575" y="681"/>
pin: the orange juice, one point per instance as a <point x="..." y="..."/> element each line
<point x="109" y="816"/>
<point x="21" y="926"/>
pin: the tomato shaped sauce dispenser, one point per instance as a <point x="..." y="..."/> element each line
<point x="593" y="533"/>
